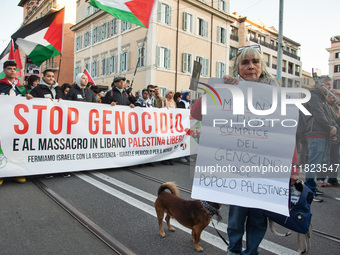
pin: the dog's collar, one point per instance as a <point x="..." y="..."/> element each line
<point x="211" y="211"/>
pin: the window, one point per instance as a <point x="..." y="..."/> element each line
<point x="113" y="27"/>
<point x="337" y="69"/>
<point x="164" y="13"/>
<point x="95" y="9"/>
<point x="163" y="57"/>
<point x="262" y="38"/>
<point x="78" y="42"/>
<point x="77" y="69"/>
<point x="252" y="36"/>
<point x="202" y="27"/>
<point x="337" y="54"/>
<point x="272" y="42"/>
<point x="232" y="52"/>
<point x="103" y="67"/>
<point x="220" y="69"/>
<point x="95" y="36"/>
<point x="125" y="26"/>
<point x="141" y="56"/>
<point x="124" y="61"/>
<point x="205" y="65"/>
<point x="94" y="68"/>
<point x="186" y="62"/>
<point x="112" y="64"/>
<point x="234" y="33"/>
<point x="88" y="11"/>
<point x="87" y="39"/>
<point x="87" y="64"/>
<point x="104" y="31"/>
<point x="293" y="51"/>
<point x="221" y="35"/>
<point x="337" y="84"/>
<point x="222" y="5"/>
<point x="187" y="22"/>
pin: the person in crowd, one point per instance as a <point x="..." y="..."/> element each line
<point x="169" y="99"/>
<point x="9" y="86"/>
<point x="137" y="95"/>
<point x="249" y="65"/>
<point x="335" y="144"/>
<point x="184" y="102"/>
<point x="117" y="95"/>
<point x="80" y="91"/>
<point x="32" y="82"/>
<point x="98" y="94"/>
<point x="151" y="90"/>
<point x="65" y="88"/>
<point x="177" y="97"/>
<point x="321" y="129"/>
<point x="159" y="101"/>
<point x="47" y="87"/>
<point x="143" y="101"/>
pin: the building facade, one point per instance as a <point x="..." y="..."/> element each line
<point x="334" y="61"/>
<point x="61" y="65"/>
<point x="179" y="33"/>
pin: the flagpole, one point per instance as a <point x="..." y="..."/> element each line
<point x="59" y="67"/>
<point x="139" y="56"/>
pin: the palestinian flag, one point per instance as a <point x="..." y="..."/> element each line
<point x="134" y="11"/>
<point x="10" y="53"/>
<point x="42" y="38"/>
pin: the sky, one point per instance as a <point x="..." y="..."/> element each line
<point x="309" y="22"/>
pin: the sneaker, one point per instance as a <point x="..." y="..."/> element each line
<point x="1" y="181"/>
<point x="317" y="199"/>
<point x="183" y="160"/>
<point x="65" y="175"/>
<point x="49" y="176"/>
<point x="318" y="192"/>
<point x="321" y="183"/>
<point x="21" y="179"/>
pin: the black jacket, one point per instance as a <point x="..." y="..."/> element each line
<point x="44" y="90"/>
<point x="5" y="87"/>
<point x="320" y="122"/>
<point x="78" y="94"/>
<point x="114" y="95"/>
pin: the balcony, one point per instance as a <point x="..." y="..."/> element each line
<point x="253" y="39"/>
<point x="268" y="45"/>
<point x="291" y="54"/>
<point x="290" y="71"/>
<point x="297" y="73"/>
<point x="234" y="37"/>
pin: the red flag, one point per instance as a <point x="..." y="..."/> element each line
<point x="89" y="77"/>
<point x="14" y="55"/>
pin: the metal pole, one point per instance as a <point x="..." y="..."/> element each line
<point x="280" y="46"/>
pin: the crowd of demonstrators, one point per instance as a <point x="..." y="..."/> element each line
<point x="319" y="136"/>
<point x="119" y="94"/>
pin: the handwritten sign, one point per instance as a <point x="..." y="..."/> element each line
<point x="246" y="159"/>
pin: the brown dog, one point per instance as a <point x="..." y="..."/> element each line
<point x="191" y="214"/>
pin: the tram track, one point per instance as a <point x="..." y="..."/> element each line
<point x="97" y="231"/>
<point x="315" y="231"/>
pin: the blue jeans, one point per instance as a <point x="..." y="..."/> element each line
<point x="318" y="150"/>
<point x="256" y="227"/>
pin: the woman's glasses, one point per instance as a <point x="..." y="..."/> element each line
<point x="256" y="47"/>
